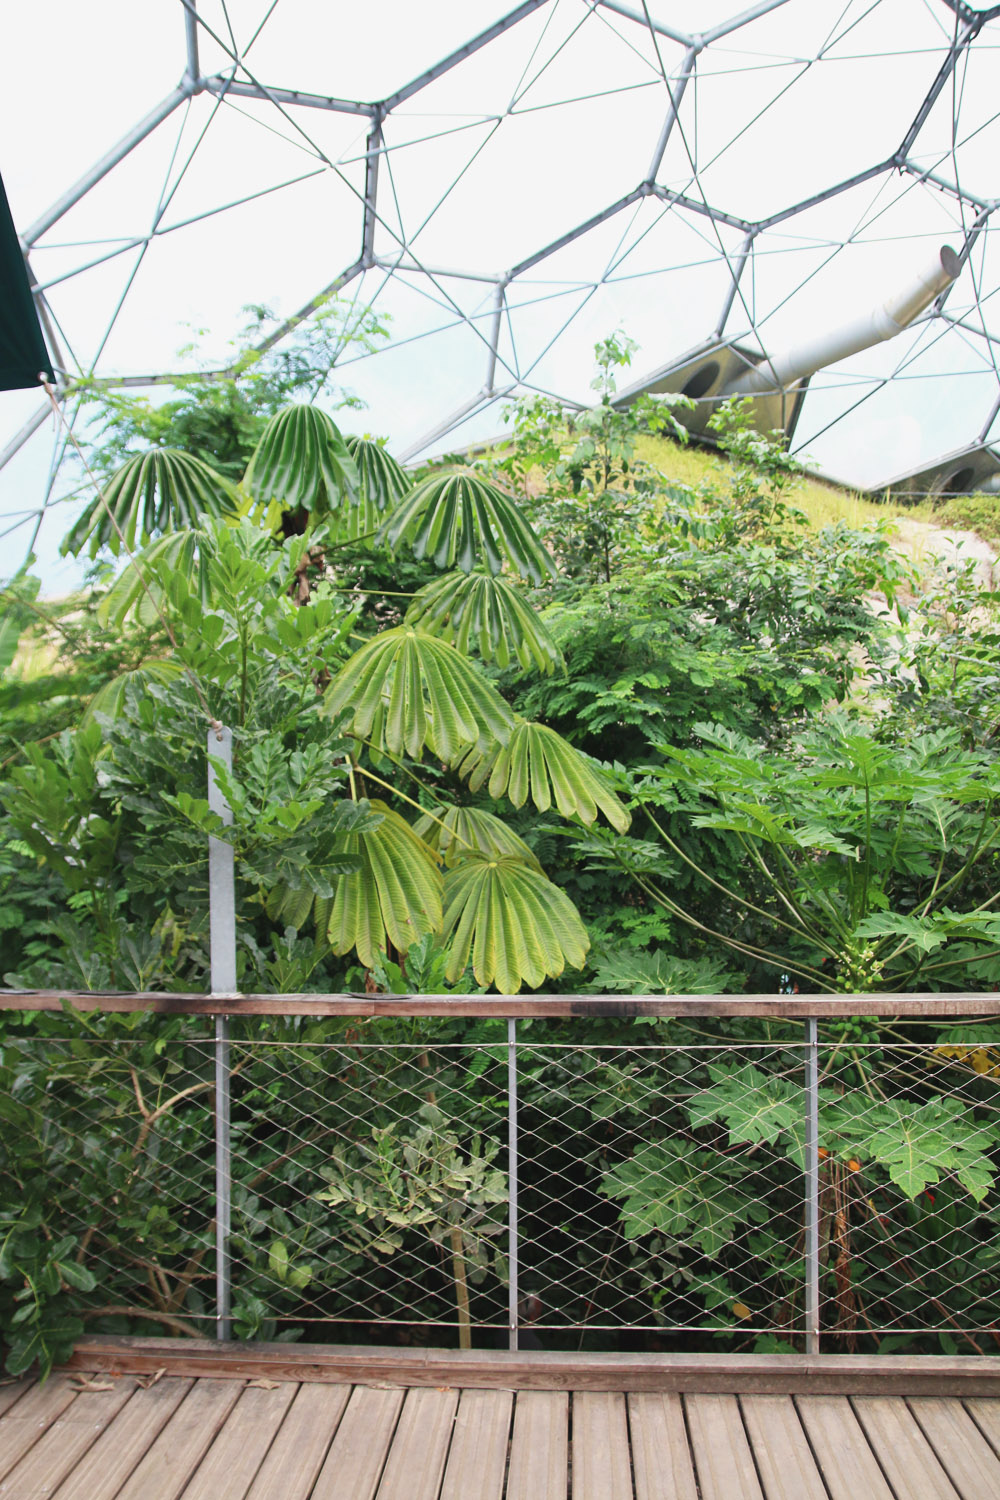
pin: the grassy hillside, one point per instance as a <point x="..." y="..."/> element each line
<point x="826" y="504"/>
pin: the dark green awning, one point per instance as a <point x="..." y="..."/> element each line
<point x="22" y="348"/>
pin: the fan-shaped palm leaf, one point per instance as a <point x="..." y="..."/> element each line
<point x="303" y="461"/>
<point x="405" y="690"/>
<point x="458" y="831"/>
<point x="513" y="923"/>
<point x="381" y="481"/>
<point x="457" y="518"/>
<point x="536" y="760"/>
<point x="490" y="612"/>
<point x="396" y="894"/>
<point x="110" y="698"/>
<point x="161" y="490"/>
<point x="138" y="588"/>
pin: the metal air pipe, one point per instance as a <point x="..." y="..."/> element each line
<point x="883" y="322"/>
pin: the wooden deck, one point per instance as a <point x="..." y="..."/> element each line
<point x="162" y="1436"/>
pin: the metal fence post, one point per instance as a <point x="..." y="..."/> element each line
<point x="512" y="1254"/>
<point x="222" y="939"/>
<point x="812" y="1187"/>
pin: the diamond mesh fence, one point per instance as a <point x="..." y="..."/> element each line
<point x="655" y="1198"/>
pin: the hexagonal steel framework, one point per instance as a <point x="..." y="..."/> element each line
<point x="575" y="166"/>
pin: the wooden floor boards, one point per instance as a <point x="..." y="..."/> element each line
<point x="129" y="1437"/>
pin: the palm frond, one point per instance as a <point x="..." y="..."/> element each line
<point x="302" y="461"/>
<point x="489" y="613"/>
<point x="405" y="691"/>
<point x="510" y="922"/>
<point x="458" y="519"/>
<point x="161" y="490"/>
<point x="535" y="761"/>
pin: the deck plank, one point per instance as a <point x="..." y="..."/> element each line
<point x="910" y="1463"/>
<point x="985" y="1412"/>
<point x="63" y="1444"/>
<point x="12" y="1391"/>
<point x="415" y="1465"/>
<point x="785" y="1461"/>
<point x="661" y="1458"/>
<point x="230" y="1466"/>
<point x="183" y="1442"/>
<point x="846" y="1461"/>
<point x="32" y="1416"/>
<point x="296" y="1456"/>
<point x="477" y="1459"/>
<point x="722" y="1456"/>
<point x="539" y="1449"/>
<point x="353" y="1466"/>
<point x="966" y="1456"/>
<point x="601" y="1466"/>
<point x="120" y="1447"/>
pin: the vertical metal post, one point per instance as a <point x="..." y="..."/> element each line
<point x="512" y="1254"/>
<point x="812" y="1188"/>
<point x="222" y="938"/>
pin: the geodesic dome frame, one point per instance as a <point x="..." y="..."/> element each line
<point x="576" y="166"/>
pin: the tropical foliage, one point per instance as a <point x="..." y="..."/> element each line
<point x="540" y="719"/>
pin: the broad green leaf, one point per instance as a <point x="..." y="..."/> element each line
<point x="510" y="922"/>
<point x="488" y="613"/>
<point x="678" y="1189"/>
<point x="755" y="1106"/>
<point x="395" y="895"/>
<point x="917" y="1144"/>
<point x="535" y="761"/>
<point x="159" y="491"/>
<point x="302" y="461"/>
<point x="405" y="690"/>
<point x="455" y="832"/>
<point x="458" y="519"/>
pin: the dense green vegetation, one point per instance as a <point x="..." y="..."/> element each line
<point x="552" y="718"/>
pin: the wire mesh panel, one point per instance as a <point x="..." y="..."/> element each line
<point x="108" y="1149"/>
<point x="370" y="1187"/>
<point x="661" y="1191"/>
<point x="909" y="1130"/>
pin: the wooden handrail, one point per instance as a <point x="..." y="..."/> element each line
<point x="513" y="1007"/>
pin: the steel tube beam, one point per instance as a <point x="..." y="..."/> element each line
<point x="110" y="159"/>
<point x="191" y="38"/>
<point x="647" y="22"/>
<point x="461" y="53"/>
<point x="513" y="1248"/>
<point x="735" y="22"/>
<point x="372" y="154"/>
<point x="676" y="95"/>
<point x="19" y="439"/>
<point x="812" y="1187"/>
<point x="222" y="930"/>
<point x="221" y="84"/>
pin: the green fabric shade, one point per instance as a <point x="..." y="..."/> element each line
<point x="22" y="349"/>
